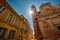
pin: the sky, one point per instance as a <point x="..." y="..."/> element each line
<point x="24" y="7"/>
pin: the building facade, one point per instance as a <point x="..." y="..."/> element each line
<point x="27" y="31"/>
<point x="48" y="19"/>
<point x="12" y="26"/>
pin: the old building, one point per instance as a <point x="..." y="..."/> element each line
<point x="37" y="31"/>
<point x="25" y="29"/>
<point x="48" y="19"/>
<point x="12" y="26"/>
<point x="9" y="22"/>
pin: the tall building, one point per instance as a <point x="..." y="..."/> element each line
<point x="48" y="19"/>
<point x="37" y="31"/>
<point x="12" y="25"/>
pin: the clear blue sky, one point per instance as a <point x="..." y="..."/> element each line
<point x="23" y="6"/>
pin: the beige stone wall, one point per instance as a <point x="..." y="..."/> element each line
<point x="10" y="25"/>
<point x="48" y="20"/>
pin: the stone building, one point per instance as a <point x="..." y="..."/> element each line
<point x="25" y="29"/>
<point x="12" y="26"/>
<point x="37" y="31"/>
<point x="48" y="19"/>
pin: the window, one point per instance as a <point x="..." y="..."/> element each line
<point x="0" y="12"/>
<point x="1" y="6"/>
<point x="58" y="27"/>
<point x="35" y="18"/>
<point x="16" y="22"/>
<point x="9" y="18"/>
<point x="11" y="35"/>
<point x="1" y="9"/>
<point x="20" y="37"/>
<point x="2" y="32"/>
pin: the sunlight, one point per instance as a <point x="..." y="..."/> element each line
<point x="30" y="11"/>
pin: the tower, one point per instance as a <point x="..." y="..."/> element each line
<point x="35" y="23"/>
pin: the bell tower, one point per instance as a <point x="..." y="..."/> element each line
<point x="35" y="23"/>
<point x="33" y="8"/>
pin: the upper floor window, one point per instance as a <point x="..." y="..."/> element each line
<point x="11" y="34"/>
<point x="9" y="18"/>
<point x="36" y="19"/>
<point x="58" y="27"/>
<point x="2" y="32"/>
<point x="16" y="22"/>
<point x="2" y="8"/>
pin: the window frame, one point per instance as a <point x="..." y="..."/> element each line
<point x="11" y="34"/>
<point x="9" y="18"/>
<point x="2" y="32"/>
<point x="2" y="9"/>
